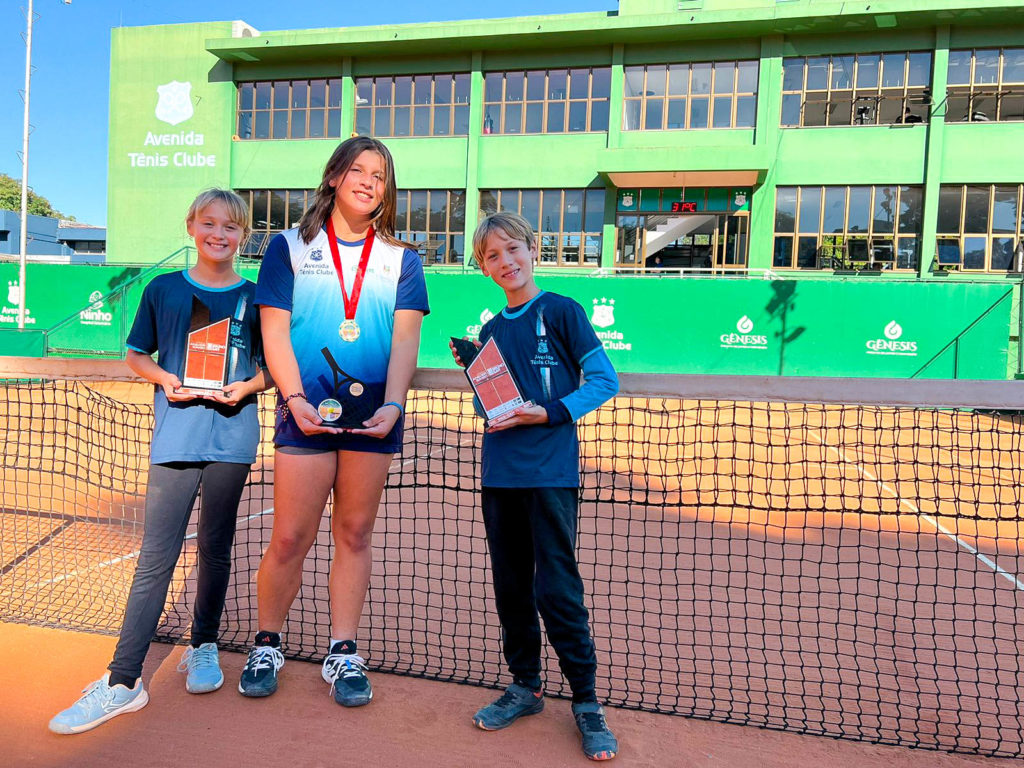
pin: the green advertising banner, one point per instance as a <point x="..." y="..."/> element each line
<point x="761" y="327"/>
<point x="648" y="324"/>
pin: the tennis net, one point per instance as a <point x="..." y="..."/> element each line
<point x="837" y="557"/>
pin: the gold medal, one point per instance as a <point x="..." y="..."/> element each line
<point x="349" y="330"/>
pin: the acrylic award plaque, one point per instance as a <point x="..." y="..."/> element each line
<point x="206" y="352"/>
<point x="349" y="403"/>
<point x="494" y="385"/>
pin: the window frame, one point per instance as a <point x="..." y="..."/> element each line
<point x="331" y="119"/>
<point x="648" y="96"/>
<point x="833" y="250"/>
<point x="495" y="124"/>
<point x="973" y="91"/>
<point x="963" y="234"/>
<point x="562" y="237"/>
<point x="915" y="100"/>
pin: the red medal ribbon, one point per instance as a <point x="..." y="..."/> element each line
<point x="351" y="302"/>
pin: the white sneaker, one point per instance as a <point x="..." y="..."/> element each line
<point x="99" y="703"/>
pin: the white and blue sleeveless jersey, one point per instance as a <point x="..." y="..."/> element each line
<point x="300" y="278"/>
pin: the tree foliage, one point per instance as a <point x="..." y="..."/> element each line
<point x="10" y="199"/>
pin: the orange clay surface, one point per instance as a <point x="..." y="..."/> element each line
<point x="410" y="722"/>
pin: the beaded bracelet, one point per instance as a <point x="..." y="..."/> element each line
<point x="283" y="410"/>
<point x="401" y="410"/>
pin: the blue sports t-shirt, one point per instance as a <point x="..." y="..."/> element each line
<point x="545" y="343"/>
<point x="200" y="430"/>
<point x="300" y="278"/>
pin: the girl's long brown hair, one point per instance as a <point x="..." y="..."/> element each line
<point x="382" y="220"/>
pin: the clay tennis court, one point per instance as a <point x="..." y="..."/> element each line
<point x="830" y="570"/>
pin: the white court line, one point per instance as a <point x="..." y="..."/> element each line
<point x="129" y="556"/>
<point x="985" y="559"/>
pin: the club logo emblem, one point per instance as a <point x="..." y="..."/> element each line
<point x="175" y="103"/>
<point x="13" y="292"/>
<point x="604" y="313"/>
<point x="745" y="325"/>
<point x="893" y="331"/>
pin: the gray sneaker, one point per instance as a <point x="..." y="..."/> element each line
<point x="517" y="701"/>
<point x="100" y="702"/>
<point x="599" y="743"/>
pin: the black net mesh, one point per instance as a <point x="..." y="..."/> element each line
<point x="830" y="569"/>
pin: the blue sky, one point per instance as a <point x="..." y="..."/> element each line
<point x="71" y="81"/>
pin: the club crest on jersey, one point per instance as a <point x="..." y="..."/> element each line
<point x="175" y="103"/>
<point x="317" y="255"/>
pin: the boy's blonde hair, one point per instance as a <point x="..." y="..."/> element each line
<point x="237" y="209"/>
<point x="512" y="225"/>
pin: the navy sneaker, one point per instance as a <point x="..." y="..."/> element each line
<point x="345" y="672"/>
<point x="259" y="677"/>
<point x="517" y="701"/>
<point x="598" y="742"/>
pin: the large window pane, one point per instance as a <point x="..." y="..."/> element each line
<point x="949" y="208"/>
<point x="1013" y="65"/>
<point x="867" y="70"/>
<point x="783" y="252"/>
<point x="974" y="252"/>
<point x="911" y="209"/>
<point x="600" y="83"/>
<point x="807" y="253"/>
<point x="859" y="209"/>
<point x="634" y="77"/>
<point x="810" y="209"/>
<point x="959" y="71"/>
<point x="835" y="209"/>
<point x="785" y="209"/>
<point x="919" y="69"/>
<point x="530" y="207"/>
<point x="1002" y="254"/>
<point x="746" y="81"/>
<point x="792" y="74"/>
<point x="700" y="81"/>
<point x="817" y="73"/>
<point x="976" y="209"/>
<point x="842" y="72"/>
<point x="892" y="70"/>
<point x="594" y="210"/>
<point x="884" y="218"/>
<point x="1004" y="209"/>
<point x="986" y="67"/>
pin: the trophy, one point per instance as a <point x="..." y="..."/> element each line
<point x="349" y="403"/>
<point x="206" y="351"/>
<point x="493" y="383"/>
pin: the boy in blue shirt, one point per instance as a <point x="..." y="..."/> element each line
<point x="530" y="482"/>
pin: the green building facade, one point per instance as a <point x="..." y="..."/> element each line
<point x="762" y="186"/>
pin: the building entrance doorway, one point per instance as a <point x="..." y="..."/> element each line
<point x="693" y="242"/>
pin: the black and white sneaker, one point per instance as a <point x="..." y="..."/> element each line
<point x="259" y="677"/>
<point x="345" y="671"/>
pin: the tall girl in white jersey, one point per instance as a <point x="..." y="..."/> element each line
<point x="341" y="302"/>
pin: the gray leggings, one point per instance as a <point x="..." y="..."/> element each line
<point x="169" y="499"/>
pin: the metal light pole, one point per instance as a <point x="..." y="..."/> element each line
<point x="29" y="18"/>
<point x="24" y="171"/>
